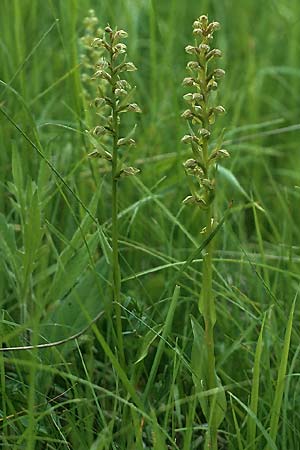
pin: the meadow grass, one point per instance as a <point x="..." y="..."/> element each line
<point x="56" y="234"/>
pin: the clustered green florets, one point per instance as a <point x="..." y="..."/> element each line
<point x="201" y="114"/>
<point x="114" y="96"/>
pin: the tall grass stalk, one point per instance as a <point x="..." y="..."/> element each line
<point x="200" y="170"/>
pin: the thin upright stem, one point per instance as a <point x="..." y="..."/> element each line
<point x="115" y="225"/>
<point x="209" y="319"/>
<point x="208" y="303"/>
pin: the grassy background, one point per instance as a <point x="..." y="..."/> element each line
<point x="54" y="277"/>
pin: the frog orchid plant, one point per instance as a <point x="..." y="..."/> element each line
<point x="113" y="101"/>
<point x="201" y="115"/>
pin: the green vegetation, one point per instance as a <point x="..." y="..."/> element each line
<point x="105" y="343"/>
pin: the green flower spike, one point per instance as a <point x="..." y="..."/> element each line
<point x="202" y="113"/>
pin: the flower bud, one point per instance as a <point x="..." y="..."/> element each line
<point x="190" y="164"/>
<point x="197" y="31"/>
<point x="197" y="109"/>
<point x="129" y="171"/>
<point x="188" y="81"/>
<point x="120" y="92"/>
<point x="187" y="114"/>
<point x="129" y="67"/>
<point x="120" y="48"/>
<point x="193" y="65"/>
<point x="214" y="53"/>
<point x="201" y="202"/>
<point x="213" y="26"/>
<point x="101" y="43"/>
<point x="99" y="131"/>
<point x="203" y="20"/>
<point x="108" y="29"/>
<point x="204" y="48"/>
<point x="108" y="100"/>
<point x="188" y="97"/>
<point x="192" y="98"/>
<point x="98" y="102"/>
<point x="187" y="139"/>
<point x="123" y="84"/>
<point x="121" y="34"/>
<point x="218" y="73"/>
<point x="133" y="107"/>
<point x="224" y="153"/>
<point x="102" y="64"/>
<point x="189" y="200"/>
<point x="94" y="154"/>
<point x="204" y="133"/>
<point x="218" y="154"/>
<point x="209" y="184"/>
<point x="103" y="154"/>
<point x="191" y="50"/>
<point x="102" y="74"/>
<point x="125" y="141"/>
<point x="219" y="109"/>
<point x="212" y="85"/>
<point x="197" y="97"/>
<point x="111" y="121"/>
<point x="97" y="42"/>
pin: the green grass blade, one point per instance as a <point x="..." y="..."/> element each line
<point x="237" y="427"/>
<point x="251" y="424"/>
<point x="117" y="367"/>
<point x="275" y="414"/>
<point x="270" y="441"/>
<point x="161" y="345"/>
